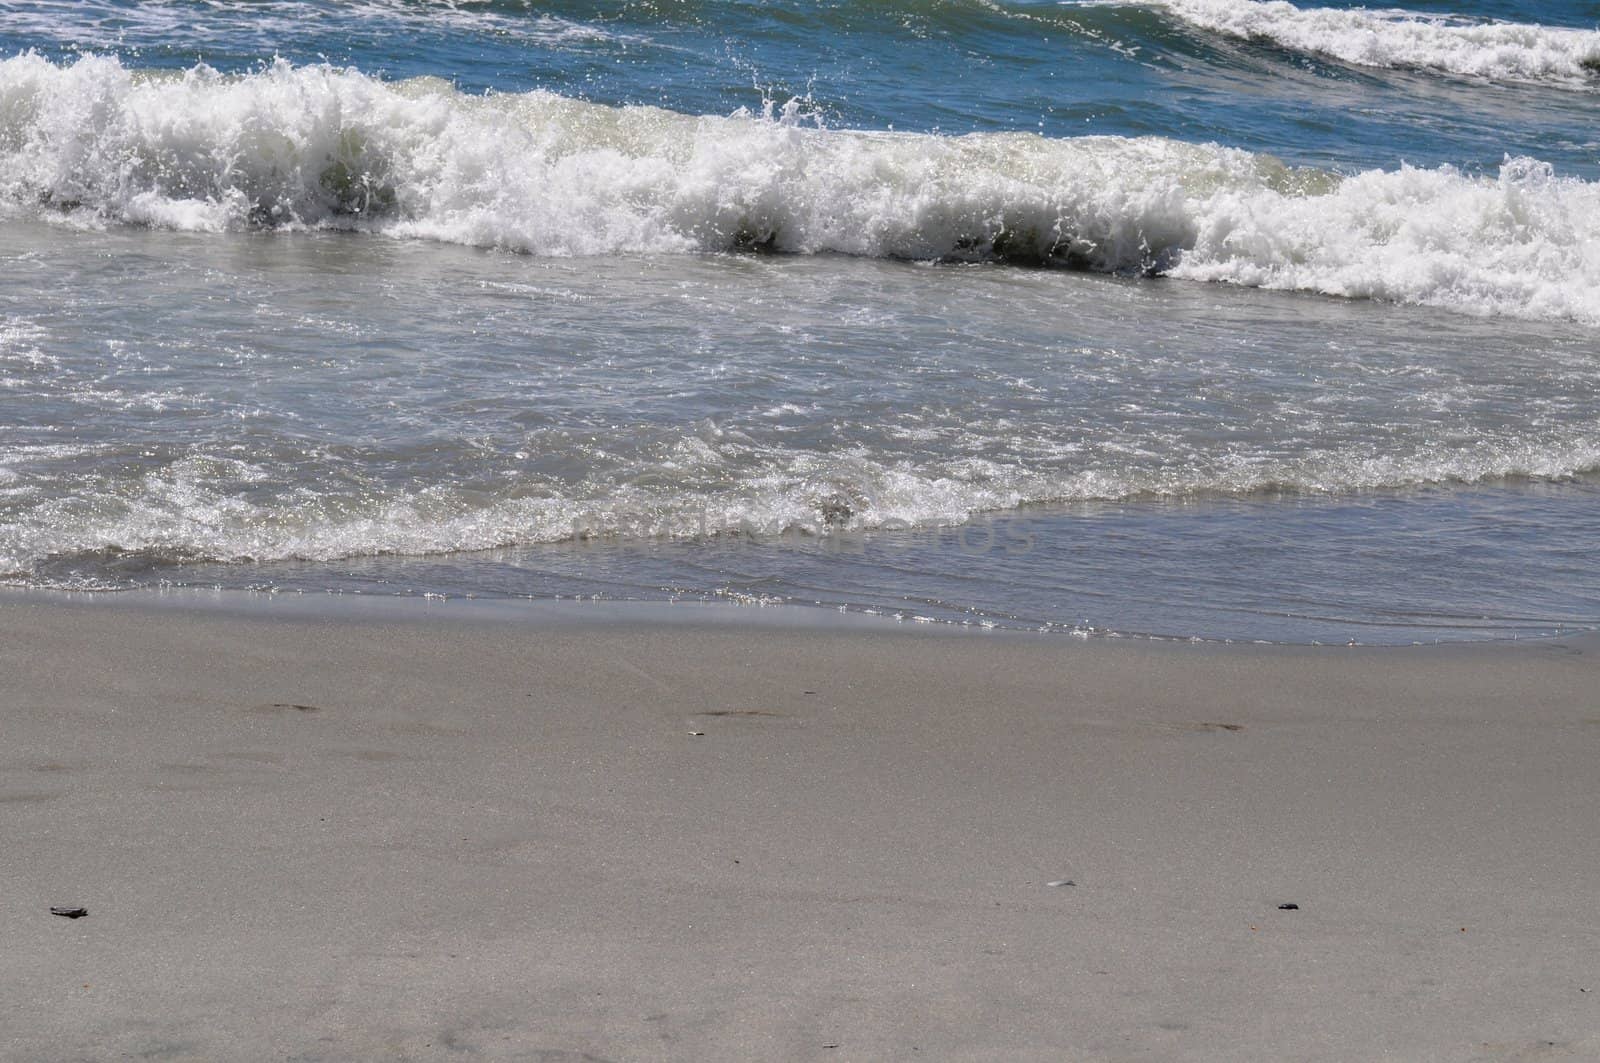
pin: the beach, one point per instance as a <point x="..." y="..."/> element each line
<point x="311" y="833"/>
<point x="990" y="530"/>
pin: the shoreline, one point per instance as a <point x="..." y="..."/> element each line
<point x="337" y="838"/>
<point x="577" y="612"/>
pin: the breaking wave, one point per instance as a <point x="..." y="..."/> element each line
<point x="1499" y="51"/>
<point x="91" y="142"/>
<point x="197" y="509"/>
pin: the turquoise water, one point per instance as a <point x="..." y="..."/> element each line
<point x="1199" y="318"/>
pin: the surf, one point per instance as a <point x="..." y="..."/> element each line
<point x="92" y="143"/>
<point x="1488" y="49"/>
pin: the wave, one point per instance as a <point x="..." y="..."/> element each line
<point x="216" y="508"/>
<point x="92" y="143"/>
<point x="1498" y="51"/>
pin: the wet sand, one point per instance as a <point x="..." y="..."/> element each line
<point x="399" y="835"/>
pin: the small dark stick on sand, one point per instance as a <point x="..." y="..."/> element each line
<point x="1288" y="907"/>
<point x="68" y="912"/>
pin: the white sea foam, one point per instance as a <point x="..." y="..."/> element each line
<point x="1501" y="51"/>
<point x="539" y="173"/>
<point x="196" y="510"/>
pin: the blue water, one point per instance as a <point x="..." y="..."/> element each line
<point x="952" y="66"/>
<point x="742" y="301"/>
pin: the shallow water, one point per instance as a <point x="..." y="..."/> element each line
<point x="1321" y="365"/>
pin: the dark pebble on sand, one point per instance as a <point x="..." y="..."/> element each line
<point x="69" y="913"/>
<point x="1288" y="907"/>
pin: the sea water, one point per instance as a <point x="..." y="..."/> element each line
<point x="1190" y="318"/>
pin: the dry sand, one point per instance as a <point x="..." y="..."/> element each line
<point x="370" y="837"/>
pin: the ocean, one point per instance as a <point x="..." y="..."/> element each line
<point x="1196" y="319"/>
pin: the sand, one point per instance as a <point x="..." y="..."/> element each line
<point x="430" y="834"/>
